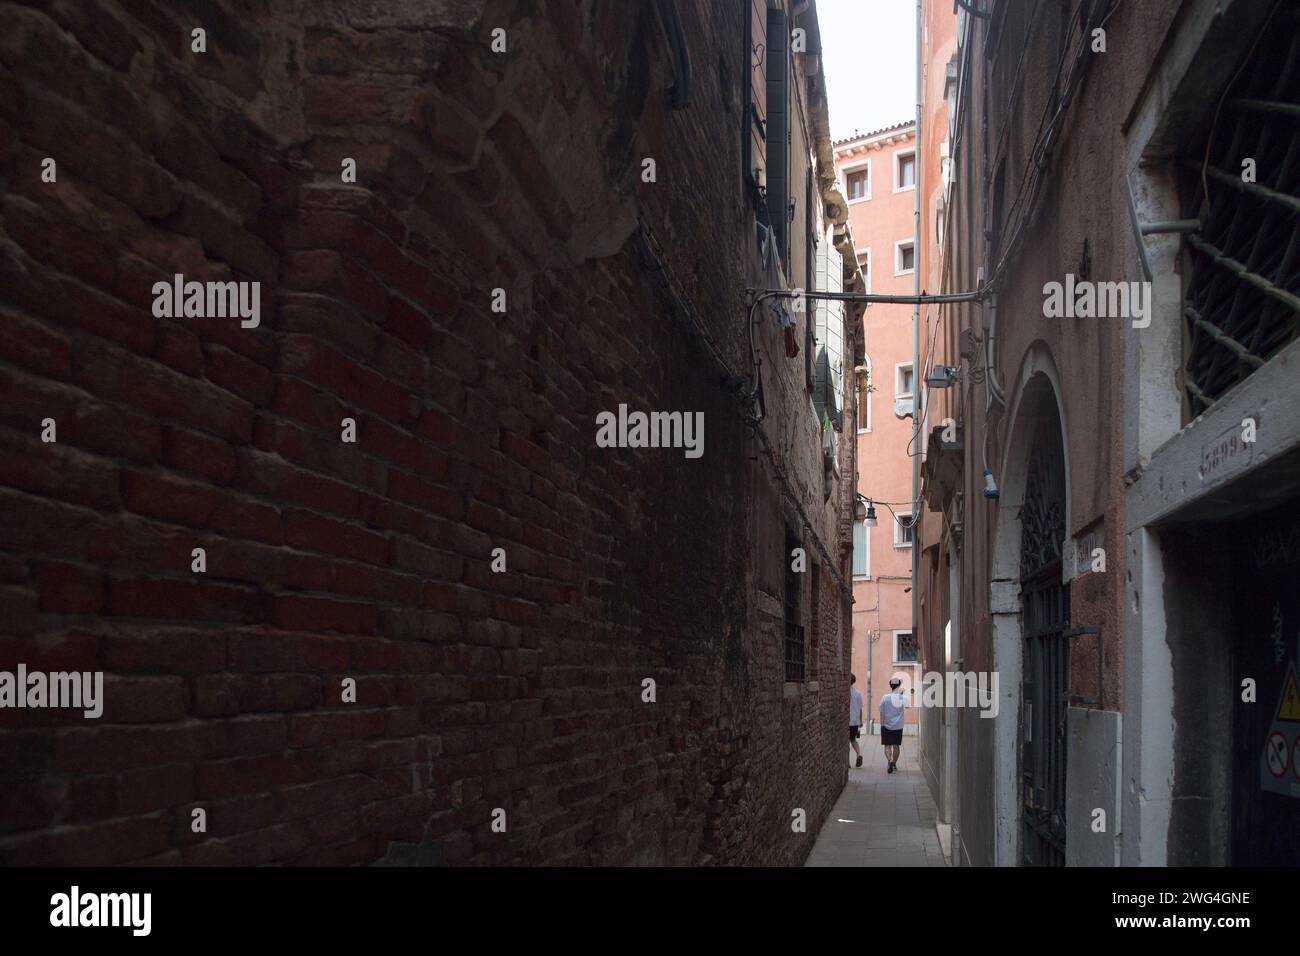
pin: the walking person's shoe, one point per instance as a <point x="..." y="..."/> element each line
<point x="859" y="761"/>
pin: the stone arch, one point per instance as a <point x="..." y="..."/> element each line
<point x="1036" y="414"/>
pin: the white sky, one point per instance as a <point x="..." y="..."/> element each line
<point x="869" y="57"/>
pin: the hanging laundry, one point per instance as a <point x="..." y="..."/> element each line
<point x="774" y="277"/>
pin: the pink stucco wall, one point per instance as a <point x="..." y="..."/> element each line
<point x="879" y="221"/>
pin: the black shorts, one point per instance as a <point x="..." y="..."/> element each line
<point x="853" y="732"/>
<point x="891" y="738"/>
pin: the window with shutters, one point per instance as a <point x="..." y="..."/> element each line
<point x="856" y="182"/>
<point x="861" y="550"/>
<point x="778" y="193"/>
<point x="755" y="138"/>
<point x="830" y="336"/>
<point x="905" y="170"/>
<point x="864" y="396"/>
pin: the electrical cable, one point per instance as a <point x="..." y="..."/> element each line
<point x="654" y="262"/>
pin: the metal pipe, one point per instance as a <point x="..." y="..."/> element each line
<point x="1172" y="225"/>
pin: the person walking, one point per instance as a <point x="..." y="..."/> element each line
<point x="891" y="722"/>
<point x="855" y="717"/>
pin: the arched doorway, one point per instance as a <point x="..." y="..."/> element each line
<point x="1045" y="615"/>
<point x="1030" y="607"/>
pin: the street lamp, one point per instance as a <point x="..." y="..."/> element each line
<point x="864" y="510"/>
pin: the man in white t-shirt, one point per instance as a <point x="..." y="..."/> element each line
<point x="891" y="722"/>
<point x="855" y="716"/>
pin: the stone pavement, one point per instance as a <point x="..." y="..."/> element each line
<point x="881" y="819"/>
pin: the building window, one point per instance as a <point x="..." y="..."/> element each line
<point x="861" y="550"/>
<point x="857" y="185"/>
<point x="904" y="257"/>
<point x="904" y="380"/>
<point x="1242" y="304"/>
<point x="904" y="648"/>
<point x="814" y="625"/>
<point x="828" y="396"/>
<point x="855" y="181"/>
<point x="794" y="631"/>
<point x="903" y="529"/>
<point x="864" y="266"/>
<point x="864" y="397"/>
<point x="904" y="171"/>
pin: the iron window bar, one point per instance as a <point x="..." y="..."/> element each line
<point x="1227" y="341"/>
<point x="794" y="651"/>
<point x="1266" y="106"/>
<point x="1254" y="189"/>
<point x="1242" y="300"/>
<point x="1220" y="258"/>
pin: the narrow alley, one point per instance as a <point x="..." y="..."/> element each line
<point x="881" y="819"/>
<point x="526" y="434"/>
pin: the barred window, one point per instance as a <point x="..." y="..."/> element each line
<point x="1242" y="303"/>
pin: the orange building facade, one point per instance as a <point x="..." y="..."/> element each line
<point x="878" y="174"/>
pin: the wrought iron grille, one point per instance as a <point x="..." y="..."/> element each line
<point x="1045" y="617"/>
<point x="1042" y="516"/>
<point x="794" y="651"/>
<point x="1242" y="304"/>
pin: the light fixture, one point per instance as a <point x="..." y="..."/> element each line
<point x="943" y="376"/>
<point x="864" y="510"/>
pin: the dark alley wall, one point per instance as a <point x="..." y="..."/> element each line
<point x="475" y="430"/>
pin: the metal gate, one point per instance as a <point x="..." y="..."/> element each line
<point x="1045" y="616"/>
<point x="1265" y="796"/>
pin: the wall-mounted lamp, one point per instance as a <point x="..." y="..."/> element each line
<point x="943" y="376"/>
<point x="864" y="510"/>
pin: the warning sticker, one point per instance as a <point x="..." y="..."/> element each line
<point x="1276" y="754"/>
<point x="1289" y="709"/>
<point x="1279" y="764"/>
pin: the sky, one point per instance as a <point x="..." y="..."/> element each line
<point x="870" y="69"/>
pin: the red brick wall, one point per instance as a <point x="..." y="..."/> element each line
<point x="325" y="560"/>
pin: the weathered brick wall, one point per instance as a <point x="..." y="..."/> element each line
<point x="475" y="430"/>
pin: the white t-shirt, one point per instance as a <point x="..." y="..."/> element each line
<point x="891" y="710"/>
<point x="855" y="707"/>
